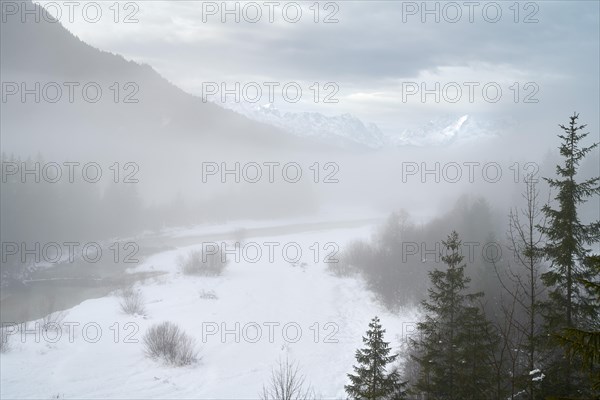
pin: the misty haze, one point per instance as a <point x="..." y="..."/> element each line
<point x="294" y="200"/>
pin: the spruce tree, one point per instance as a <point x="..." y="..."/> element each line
<point x="370" y="380"/>
<point x="570" y="305"/>
<point x="567" y="236"/>
<point x="586" y="343"/>
<point x="454" y="346"/>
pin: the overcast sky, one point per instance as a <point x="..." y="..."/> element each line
<point x="373" y="54"/>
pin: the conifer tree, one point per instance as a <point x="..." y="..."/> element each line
<point x="570" y="305"/>
<point x="453" y="346"/>
<point x="567" y="236"/>
<point x="370" y="379"/>
<point x="586" y="343"/>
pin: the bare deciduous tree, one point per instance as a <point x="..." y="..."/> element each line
<point x="522" y="283"/>
<point x="287" y="383"/>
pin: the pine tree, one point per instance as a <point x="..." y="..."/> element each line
<point x="371" y="380"/>
<point x="569" y="306"/>
<point x="454" y="346"/>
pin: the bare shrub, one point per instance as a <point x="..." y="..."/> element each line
<point x="356" y="256"/>
<point x="340" y="268"/>
<point x="287" y="383"/>
<point x="52" y="321"/>
<point x="168" y="342"/>
<point x="4" y="341"/>
<point x="207" y="263"/>
<point x="132" y="302"/>
<point x="208" y="295"/>
<point x="239" y="235"/>
<point x="52" y="318"/>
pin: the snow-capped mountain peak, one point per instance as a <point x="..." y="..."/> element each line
<point x="346" y="130"/>
<point x="343" y="130"/>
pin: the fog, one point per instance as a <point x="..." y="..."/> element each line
<point x="134" y="133"/>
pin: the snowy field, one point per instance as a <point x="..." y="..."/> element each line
<point x="243" y="322"/>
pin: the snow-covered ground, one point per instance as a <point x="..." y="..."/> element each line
<point x="263" y="311"/>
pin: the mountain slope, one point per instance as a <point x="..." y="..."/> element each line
<point x="53" y="54"/>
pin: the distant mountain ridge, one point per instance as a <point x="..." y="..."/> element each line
<point x="346" y="130"/>
<point x="450" y="129"/>
<point x="342" y="130"/>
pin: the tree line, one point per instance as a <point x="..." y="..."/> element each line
<point x="540" y="336"/>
